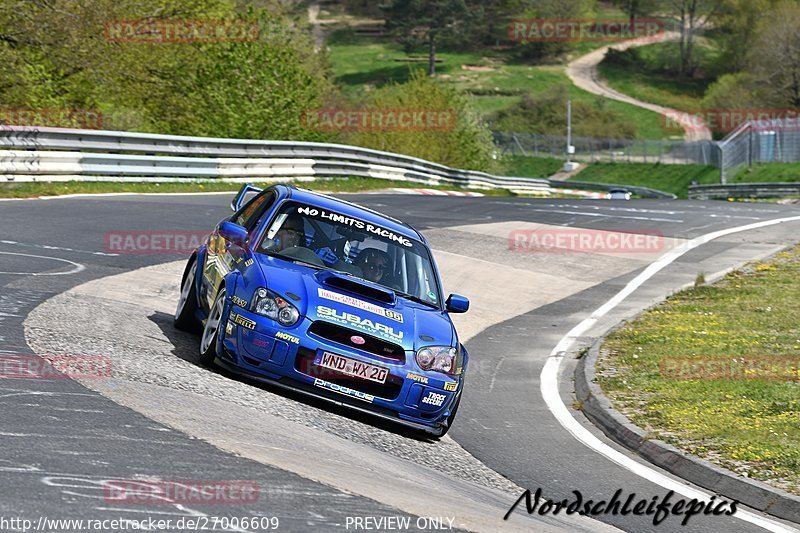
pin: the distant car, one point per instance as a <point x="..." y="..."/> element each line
<point x="331" y="299"/>
<point x="618" y="194"/>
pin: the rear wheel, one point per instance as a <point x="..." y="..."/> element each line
<point x="208" y="342"/>
<point x="187" y="303"/>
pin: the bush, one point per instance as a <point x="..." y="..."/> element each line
<point x="467" y="144"/>
<point x="548" y="115"/>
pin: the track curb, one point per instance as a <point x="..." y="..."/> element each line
<point x="598" y="408"/>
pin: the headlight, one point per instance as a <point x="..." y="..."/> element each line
<point x="438" y="359"/>
<point x="270" y="305"/>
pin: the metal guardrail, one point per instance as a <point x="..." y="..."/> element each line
<point x="644" y="192"/>
<point x="57" y="154"/>
<point x="744" y="190"/>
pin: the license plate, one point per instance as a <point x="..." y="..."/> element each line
<point x="351" y="367"/>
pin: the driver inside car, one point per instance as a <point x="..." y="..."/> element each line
<point x="374" y="264"/>
<point x="291" y="234"/>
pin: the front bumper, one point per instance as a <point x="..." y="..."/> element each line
<point x="253" y="345"/>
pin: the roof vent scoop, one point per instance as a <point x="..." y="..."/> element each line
<point x="355" y="286"/>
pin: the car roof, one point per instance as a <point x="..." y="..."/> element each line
<point x="350" y="209"/>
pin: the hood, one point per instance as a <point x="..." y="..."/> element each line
<point x="358" y="305"/>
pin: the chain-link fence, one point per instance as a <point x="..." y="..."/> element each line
<point x="610" y="150"/>
<point x="758" y="142"/>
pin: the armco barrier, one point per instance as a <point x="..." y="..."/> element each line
<point x="58" y="154"/>
<point x="744" y="190"/>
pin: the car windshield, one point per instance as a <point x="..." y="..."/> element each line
<point x="330" y="240"/>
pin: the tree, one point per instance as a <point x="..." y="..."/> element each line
<point x="774" y="59"/>
<point x="636" y="8"/>
<point x="692" y="15"/>
<point x="461" y="140"/>
<point x="426" y="21"/>
<point x="736" y="29"/>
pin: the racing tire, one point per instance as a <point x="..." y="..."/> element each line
<point x="208" y="342"/>
<point x="185" y="318"/>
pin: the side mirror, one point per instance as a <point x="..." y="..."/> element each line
<point x="457" y="304"/>
<point x="233" y="233"/>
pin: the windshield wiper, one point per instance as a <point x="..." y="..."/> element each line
<point x="416" y="299"/>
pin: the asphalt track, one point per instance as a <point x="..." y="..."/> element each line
<point x="61" y="438"/>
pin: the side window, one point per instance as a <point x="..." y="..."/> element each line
<point x="248" y="215"/>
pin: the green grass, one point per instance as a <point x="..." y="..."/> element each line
<point x="651" y="81"/>
<point x="360" y="63"/>
<point x="658" y="370"/>
<point x="768" y="172"/>
<point x="531" y="167"/>
<point x="668" y="178"/>
<point x="337" y="185"/>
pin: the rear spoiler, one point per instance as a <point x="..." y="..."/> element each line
<point x="239" y="200"/>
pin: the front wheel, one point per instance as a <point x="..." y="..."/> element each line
<point x="208" y="342"/>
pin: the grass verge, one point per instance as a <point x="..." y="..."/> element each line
<point x="680" y="371"/>
<point x="351" y="184"/>
<point x="650" y="78"/>
<point x="668" y="178"/>
<point x="531" y="167"/>
<point x="768" y="172"/>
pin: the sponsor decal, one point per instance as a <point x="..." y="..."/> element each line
<point x="417" y="377"/>
<point x="349" y="319"/>
<point x="229" y="327"/>
<point x="354" y="223"/>
<point x="239" y="301"/>
<point x="360" y="304"/>
<point x="434" y="398"/>
<point x="347" y="391"/>
<point x="287" y="337"/>
<point x="451" y="385"/>
<point x="261" y="343"/>
<point x="249" y="262"/>
<point x="242" y="321"/>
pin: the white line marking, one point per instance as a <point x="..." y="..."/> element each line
<point x="78" y="266"/>
<point x="550" y="372"/>
<point x="48" y="247"/>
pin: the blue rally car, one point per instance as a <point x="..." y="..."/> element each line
<point x="331" y="299"/>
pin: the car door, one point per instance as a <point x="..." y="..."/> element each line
<point x="223" y="256"/>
